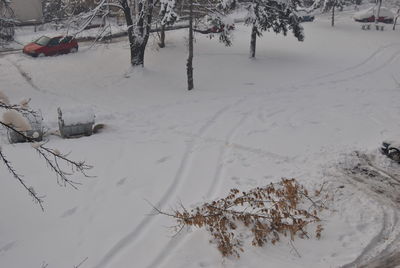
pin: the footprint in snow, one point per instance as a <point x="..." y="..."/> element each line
<point x="163" y="159"/>
<point x="121" y="181"/>
<point x="8" y="246"/>
<point x="236" y="180"/>
<point x="69" y="212"/>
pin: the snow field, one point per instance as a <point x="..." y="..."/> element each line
<point x="292" y="112"/>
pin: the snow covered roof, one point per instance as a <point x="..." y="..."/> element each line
<point x="76" y="116"/>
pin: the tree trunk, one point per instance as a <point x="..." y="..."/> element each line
<point x="162" y="36"/>
<point x="129" y="23"/>
<point x="333" y="15"/>
<point x="189" y="65"/>
<point x="378" y="11"/>
<point x="253" y="42"/>
<point x="395" y="19"/>
<point x="137" y="54"/>
<point x="138" y="41"/>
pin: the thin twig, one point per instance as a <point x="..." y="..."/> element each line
<point x="85" y="259"/>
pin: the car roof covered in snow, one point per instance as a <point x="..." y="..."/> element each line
<point x="366" y="13"/>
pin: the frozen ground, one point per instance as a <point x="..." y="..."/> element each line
<point x="298" y="110"/>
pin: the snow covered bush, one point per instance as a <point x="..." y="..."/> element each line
<point x="16" y="120"/>
<point x="267" y="213"/>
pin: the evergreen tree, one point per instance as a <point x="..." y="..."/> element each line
<point x="279" y="16"/>
<point x="168" y="16"/>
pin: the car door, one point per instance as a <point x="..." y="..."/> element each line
<point x="54" y="46"/>
<point x="65" y="44"/>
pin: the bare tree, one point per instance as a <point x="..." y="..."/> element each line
<point x="395" y="18"/>
<point x="138" y="17"/>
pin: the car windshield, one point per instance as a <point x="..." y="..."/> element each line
<point x="43" y="41"/>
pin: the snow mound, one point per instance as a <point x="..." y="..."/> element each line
<point x="16" y="120"/>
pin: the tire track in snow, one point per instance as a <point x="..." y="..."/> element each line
<point x="174" y="185"/>
<point x="389" y="223"/>
<point x="365" y="61"/>
<point x="393" y="57"/>
<point x="227" y="144"/>
<point x="27" y="77"/>
<point x="377" y="239"/>
<point x="177" y="241"/>
<point x="223" y="154"/>
<point x="378" y="184"/>
<point x="389" y="257"/>
<point x="240" y="147"/>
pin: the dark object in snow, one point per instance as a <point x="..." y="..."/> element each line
<point x="98" y="128"/>
<point x="46" y="46"/>
<point x="391" y="150"/>
<point x="210" y="25"/>
<point x="215" y="29"/>
<point x="75" y="123"/>
<point x="368" y="27"/>
<point x="306" y="18"/>
<point x="36" y="133"/>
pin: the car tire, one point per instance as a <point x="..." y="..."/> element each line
<point x="40" y="55"/>
<point x="73" y="50"/>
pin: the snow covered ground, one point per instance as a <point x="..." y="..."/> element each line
<point x="298" y="110"/>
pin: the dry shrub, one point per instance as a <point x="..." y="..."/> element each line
<point x="283" y="208"/>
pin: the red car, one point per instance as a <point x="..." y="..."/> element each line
<point x="368" y="15"/>
<point x="46" y="46"/>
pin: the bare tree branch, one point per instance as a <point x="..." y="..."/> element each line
<point x="267" y="212"/>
